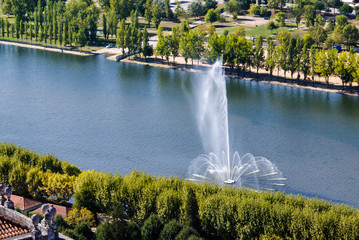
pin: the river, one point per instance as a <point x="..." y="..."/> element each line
<point x="115" y="117"/>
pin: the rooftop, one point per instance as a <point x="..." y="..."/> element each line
<point x="11" y="228"/>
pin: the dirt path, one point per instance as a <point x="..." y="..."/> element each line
<point x="46" y="48"/>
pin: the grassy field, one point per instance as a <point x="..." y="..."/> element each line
<point x="265" y="32"/>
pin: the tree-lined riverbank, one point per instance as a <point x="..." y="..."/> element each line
<point x="335" y="85"/>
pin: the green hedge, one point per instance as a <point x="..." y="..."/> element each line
<point x="224" y="213"/>
<point x="42" y="177"/>
<point x="215" y="212"/>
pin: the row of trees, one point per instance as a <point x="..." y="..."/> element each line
<point x="214" y="212"/>
<point x="75" y="22"/>
<point x="294" y="55"/>
<point x="43" y="177"/>
<point x="147" y="207"/>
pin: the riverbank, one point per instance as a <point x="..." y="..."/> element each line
<point x="47" y="48"/>
<point x="334" y="86"/>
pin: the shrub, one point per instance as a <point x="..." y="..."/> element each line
<point x="168" y="205"/>
<point x="118" y="230"/>
<point x="211" y="16"/>
<point x="170" y="230"/>
<point x="76" y="216"/>
<point x="152" y="228"/>
<point x="254" y="9"/>
<point x="186" y="233"/>
<point x="83" y="232"/>
<point x="61" y="223"/>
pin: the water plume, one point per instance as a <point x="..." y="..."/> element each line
<point x="217" y="166"/>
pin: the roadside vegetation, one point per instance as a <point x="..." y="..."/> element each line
<point x="141" y="206"/>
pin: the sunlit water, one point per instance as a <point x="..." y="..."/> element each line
<point x="116" y="117"/>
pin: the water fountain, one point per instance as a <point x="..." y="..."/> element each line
<point x="217" y="166"/>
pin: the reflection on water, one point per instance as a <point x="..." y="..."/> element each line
<point x="118" y="116"/>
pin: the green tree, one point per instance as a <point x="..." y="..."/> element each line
<point x="21" y="29"/>
<point x="233" y="7"/>
<point x="216" y="46"/>
<point x="191" y="209"/>
<point x="178" y="10"/>
<point x="330" y="26"/>
<point x="319" y="21"/>
<point x="148" y="11"/>
<point x="341" y="20"/>
<point x="156" y="15"/>
<point x="356" y="9"/>
<point x="334" y="4"/>
<point x="254" y="9"/>
<point x="104" y="26"/>
<point x="258" y="53"/>
<point x="168" y="205"/>
<point x="161" y="47"/>
<point x="186" y="233"/>
<point x="276" y="3"/>
<point x="345" y="67"/>
<point x="58" y="187"/>
<point x="61" y="31"/>
<point x="168" y="11"/>
<point x="304" y="64"/>
<point x="196" y="9"/>
<point x="319" y="6"/>
<point x="78" y="216"/>
<point x="146" y="48"/>
<point x="152" y="228"/>
<point x="291" y="57"/>
<point x="264" y="11"/>
<point x="170" y="230"/>
<point x="297" y="12"/>
<point x="196" y="46"/>
<point x="17" y="179"/>
<point x="34" y="182"/>
<point x="83" y="232"/>
<point x="308" y="40"/>
<point x="7" y="7"/>
<point x="134" y="19"/>
<point x="270" y="62"/>
<point x="312" y="60"/>
<point x="351" y="34"/>
<point x="175" y="41"/>
<point x="318" y="33"/>
<point x="210" y="4"/>
<point x="271" y="26"/>
<point x="346" y="9"/>
<point x="325" y="63"/>
<point x="93" y="14"/>
<point x="280" y="18"/>
<point x="211" y="16"/>
<point x="309" y="15"/>
<point x="121" y="33"/>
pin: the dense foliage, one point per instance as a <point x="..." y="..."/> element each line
<point x="159" y="207"/>
<point x="223" y="213"/>
<point x="42" y="177"/>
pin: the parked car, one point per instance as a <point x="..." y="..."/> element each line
<point x="109" y="46"/>
<point x="338" y="47"/>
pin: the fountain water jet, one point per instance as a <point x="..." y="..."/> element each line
<point x="217" y="166"/>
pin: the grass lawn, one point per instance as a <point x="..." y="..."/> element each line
<point x="265" y="32"/>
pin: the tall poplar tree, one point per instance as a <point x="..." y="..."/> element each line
<point x="104" y="26"/>
<point x="258" y="54"/>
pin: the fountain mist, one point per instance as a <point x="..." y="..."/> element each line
<point x="217" y="166"/>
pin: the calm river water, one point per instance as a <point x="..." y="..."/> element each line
<point x="116" y="117"/>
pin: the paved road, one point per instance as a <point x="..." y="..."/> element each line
<point x="185" y="3"/>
